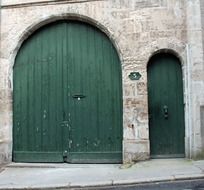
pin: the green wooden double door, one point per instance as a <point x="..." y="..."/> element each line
<point x="166" y="107"/>
<point x="67" y="97"/>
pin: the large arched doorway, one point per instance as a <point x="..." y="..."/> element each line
<point x="67" y="96"/>
<point x="166" y="107"/>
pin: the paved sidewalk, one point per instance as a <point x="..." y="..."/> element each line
<point x="51" y="176"/>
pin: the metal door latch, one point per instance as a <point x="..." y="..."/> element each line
<point x="70" y="144"/>
<point x="65" y="155"/>
<point x="78" y="96"/>
<point x="165" y="111"/>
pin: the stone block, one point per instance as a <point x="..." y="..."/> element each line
<point x="135" y="150"/>
<point x="141" y="88"/>
<point x="129" y="90"/>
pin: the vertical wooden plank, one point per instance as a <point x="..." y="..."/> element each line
<point x="37" y="93"/>
<point x="59" y="86"/>
<point x="30" y="99"/>
<point x="62" y="50"/>
<point x="17" y="129"/>
<point x="24" y="102"/>
<point x="52" y="101"/>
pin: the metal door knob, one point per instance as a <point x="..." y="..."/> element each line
<point x="165" y="112"/>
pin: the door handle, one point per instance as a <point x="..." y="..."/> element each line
<point x="78" y="96"/>
<point x="166" y="111"/>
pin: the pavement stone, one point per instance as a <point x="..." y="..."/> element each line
<point x="50" y="176"/>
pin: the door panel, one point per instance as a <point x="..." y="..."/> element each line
<point x="166" y="108"/>
<point x="91" y="118"/>
<point x="67" y="96"/>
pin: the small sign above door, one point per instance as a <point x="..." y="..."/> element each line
<point x="135" y="76"/>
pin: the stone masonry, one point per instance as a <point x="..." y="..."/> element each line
<point x="138" y="29"/>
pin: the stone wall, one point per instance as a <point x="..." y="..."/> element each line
<point x="195" y="76"/>
<point x="138" y="29"/>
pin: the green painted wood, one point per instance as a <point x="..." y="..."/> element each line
<point x="165" y="89"/>
<point x="54" y="66"/>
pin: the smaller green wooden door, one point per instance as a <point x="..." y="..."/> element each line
<point x="166" y="107"/>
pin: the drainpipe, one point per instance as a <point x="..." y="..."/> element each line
<point x="0" y="23"/>
<point x="189" y="99"/>
<point x="0" y="27"/>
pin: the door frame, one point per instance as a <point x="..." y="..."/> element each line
<point x="187" y="142"/>
<point x="76" y="17"/>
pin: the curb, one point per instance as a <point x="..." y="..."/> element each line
<point x="112" y="183"/>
